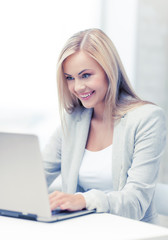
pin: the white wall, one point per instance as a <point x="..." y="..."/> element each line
<point x="32" y="35"/>
<point x="152" y="59"/>
<point x="120" y="23"/>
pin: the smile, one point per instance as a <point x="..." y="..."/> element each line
<point x="86" y="96"/>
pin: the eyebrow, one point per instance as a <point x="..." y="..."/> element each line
<point x="78" y="73"/>
<point x="67" y="74"/>
<point x="83" y="71"/>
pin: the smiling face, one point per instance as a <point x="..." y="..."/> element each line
<point x="86" y="80"/>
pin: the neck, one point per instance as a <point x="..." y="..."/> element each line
<point x="98" y="115"/>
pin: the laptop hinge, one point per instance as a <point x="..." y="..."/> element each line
<point x="18" y="215"/>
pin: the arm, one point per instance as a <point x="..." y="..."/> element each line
<point x="52" y="166"/>
<point x="135" y="197"/>
<point x="52" y="157"/>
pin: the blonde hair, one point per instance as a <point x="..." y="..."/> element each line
<point x="120" y="96"/>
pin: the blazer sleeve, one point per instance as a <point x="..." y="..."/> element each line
<point x="135" y="197"/>
<point x="52" y="157"/>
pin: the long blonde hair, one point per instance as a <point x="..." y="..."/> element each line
<point x="120" y="96"/>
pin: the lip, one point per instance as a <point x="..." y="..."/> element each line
<point x="86" y="96"/>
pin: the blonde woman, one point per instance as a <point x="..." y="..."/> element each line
<point x="109" y="145"/>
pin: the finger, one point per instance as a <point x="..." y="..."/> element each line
<point x="71" y="204"/>
<point x="56" y="201"/>
<point x="56" y="204"/>
<point x="53" y="194"/>
<point x="55" y="197"/>
<point x="66" y="206"/>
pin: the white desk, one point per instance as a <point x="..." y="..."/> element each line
<point x="93" y="226"/>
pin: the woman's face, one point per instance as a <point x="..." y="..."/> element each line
<point x="86" y="79"/>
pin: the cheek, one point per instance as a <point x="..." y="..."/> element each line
<point x="70" y="86"/>
<point x="105" y="83"/>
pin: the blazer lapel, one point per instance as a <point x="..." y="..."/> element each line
<point x="80" y="135"/>
<point x="117" y="157"/>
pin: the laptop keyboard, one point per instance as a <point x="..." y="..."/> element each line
<point x="58" y="211"/>
<point x="62" y="212"/>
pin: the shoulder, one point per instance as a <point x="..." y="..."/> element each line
<point x="144" y="119"/>
<point x="145" y="113"/>
<point x="78" y="114"/>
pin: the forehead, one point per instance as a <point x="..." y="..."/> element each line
<point x="79" y="61"/>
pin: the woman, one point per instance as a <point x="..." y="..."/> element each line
<point x="109" y="145"/>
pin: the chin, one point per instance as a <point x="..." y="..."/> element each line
<point x="87" y="106"/>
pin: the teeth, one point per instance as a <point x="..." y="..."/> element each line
<point x="87" y="95"/>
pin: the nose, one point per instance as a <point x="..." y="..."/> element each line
<point x="79" y="85"/>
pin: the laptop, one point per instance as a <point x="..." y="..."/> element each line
<point x="23" y="187"/>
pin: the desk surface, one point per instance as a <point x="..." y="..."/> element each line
<point x="93" y="226"/>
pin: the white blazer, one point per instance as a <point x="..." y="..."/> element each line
<point x="138" y="143"/>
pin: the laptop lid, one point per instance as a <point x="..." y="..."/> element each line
<point x="22" y="181"/>
<point x="23" y="187"/>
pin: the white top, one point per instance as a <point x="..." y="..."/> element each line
<point x="96" y="170"/>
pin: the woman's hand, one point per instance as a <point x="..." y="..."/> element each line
<point x="70" y="202"/>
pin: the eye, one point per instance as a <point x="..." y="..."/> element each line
<point x="69" y="78"/>
<point x="86" y="75"/>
